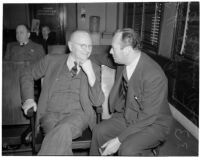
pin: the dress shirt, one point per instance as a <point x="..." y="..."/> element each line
<point x="23" y="44"/>
<point x="70" y="63"/>
<point x="131" y="68"/>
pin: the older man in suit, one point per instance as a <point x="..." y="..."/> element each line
<point x="141" y="117"/>
<point x="24" y="49"/>
<point x="70" y="88"/>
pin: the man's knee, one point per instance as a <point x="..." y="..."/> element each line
<point x="99" y="130"/>
<point x="126" y="150"/>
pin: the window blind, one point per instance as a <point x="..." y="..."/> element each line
<point x="146" y="22"/>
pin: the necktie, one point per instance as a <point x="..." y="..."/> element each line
<point x="74" y="70"/>
<point x="124" y="82"/>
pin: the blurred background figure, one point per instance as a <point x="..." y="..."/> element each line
<point x="24" y="49"/>
<point x="47" y="38"/>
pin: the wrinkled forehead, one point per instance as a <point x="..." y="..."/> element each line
<point x="82" y="38"/>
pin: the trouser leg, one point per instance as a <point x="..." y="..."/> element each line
<point x="105" y="131"/>
<point x="140" y="143"/>
<point x="58" y="141"/>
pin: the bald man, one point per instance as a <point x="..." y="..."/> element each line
<point x="70" y="88"/>
<point x="24" y="49"/>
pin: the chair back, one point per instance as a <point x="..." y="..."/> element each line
<point x="12" y="113"/>
<point x="57" y="49"/>
<point x="107" y="81"/>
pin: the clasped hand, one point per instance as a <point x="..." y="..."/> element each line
<point x="111" y="146"/>
<point x="29" y="103"/>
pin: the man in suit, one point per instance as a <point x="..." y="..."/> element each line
<point x="70" y="88"/>
<point x="24" y="49"/>
<point x="141" y="117"/>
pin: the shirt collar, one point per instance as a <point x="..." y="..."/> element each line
<point x="131" y="67"/>
<point x="70" y="62"/>
<point x="24" y="43"/>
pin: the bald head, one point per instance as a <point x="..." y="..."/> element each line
<point x="80" y="45"/>
<point x="81" y="37"/>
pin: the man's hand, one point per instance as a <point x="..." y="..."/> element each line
<point x="111" y="146"/>
<point x="29" y="103"/>
<point x="87" y="68"/>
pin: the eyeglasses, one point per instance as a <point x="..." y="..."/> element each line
<point x="83" y="46"/>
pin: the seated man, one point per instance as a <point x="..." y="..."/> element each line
<point x="24" y="49"/>
<point x="70" y="88"/>
<point x="141" y="117"/>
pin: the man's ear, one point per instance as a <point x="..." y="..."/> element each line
<point x="29" y="34"/>
<point x="127" y="50"/>
<point x="70" y="45"/>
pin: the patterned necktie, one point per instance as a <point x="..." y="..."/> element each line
<point x="74" y="70"/>
<point x="124" y="82"/>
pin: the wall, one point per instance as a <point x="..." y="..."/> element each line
<point x="15" y="14"/>
<point x="109" y="20"/>
<point x="91" y="9"/>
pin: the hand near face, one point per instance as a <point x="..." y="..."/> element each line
<point x="88" y="69"/>
<point x="111" y="146"/>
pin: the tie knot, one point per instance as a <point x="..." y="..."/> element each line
<point x="74" y="69"/>
<point x="125" y="75"/>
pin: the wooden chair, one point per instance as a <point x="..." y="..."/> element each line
<point x="82" y="142"/>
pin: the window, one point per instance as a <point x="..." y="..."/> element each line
<point x="145" y="19"/>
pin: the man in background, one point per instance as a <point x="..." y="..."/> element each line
<point x="47" y="38"/>
<point x="24" y="49"/>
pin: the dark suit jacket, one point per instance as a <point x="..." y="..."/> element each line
<point x="149" y="84"/>
<point x="31" y="52"/>
<point x="49" y="68"/>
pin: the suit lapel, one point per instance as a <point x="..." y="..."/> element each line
<point x="134" y="82"/>
<point x="115" y="92"/>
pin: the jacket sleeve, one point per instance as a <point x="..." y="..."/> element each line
<point x="34" y="72"/>
<point x="96" y="94"/>
<point x="104" y="59"/>
<point x="155" y="95"/>
<point x="7" y="54"/>
<point x="41" y="52"/>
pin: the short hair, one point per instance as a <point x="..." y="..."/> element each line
<point x="130" y="38"/>
<point x="26" y="26"/>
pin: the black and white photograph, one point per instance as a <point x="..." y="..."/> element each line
<point x="100" y="78"/>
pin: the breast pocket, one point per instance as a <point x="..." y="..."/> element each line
<point x="136" y="101"/>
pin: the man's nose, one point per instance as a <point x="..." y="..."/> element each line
<point x="111" y="51"/>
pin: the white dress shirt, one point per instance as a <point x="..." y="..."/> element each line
<point x="70" y="63"/>
<point x="131" y="68"/>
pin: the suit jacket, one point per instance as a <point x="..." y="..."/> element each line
<point x="148" y="84"/>
<point x="49" y="68"/>
<point x="31" y="52"/>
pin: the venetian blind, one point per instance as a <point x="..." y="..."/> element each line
<point x="146" y="22"/>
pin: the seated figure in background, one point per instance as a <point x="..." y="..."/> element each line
<point x="70" y="88"/>
<point x="24" y="49"/>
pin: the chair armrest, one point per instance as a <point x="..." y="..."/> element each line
<point x="30" y="113"/>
